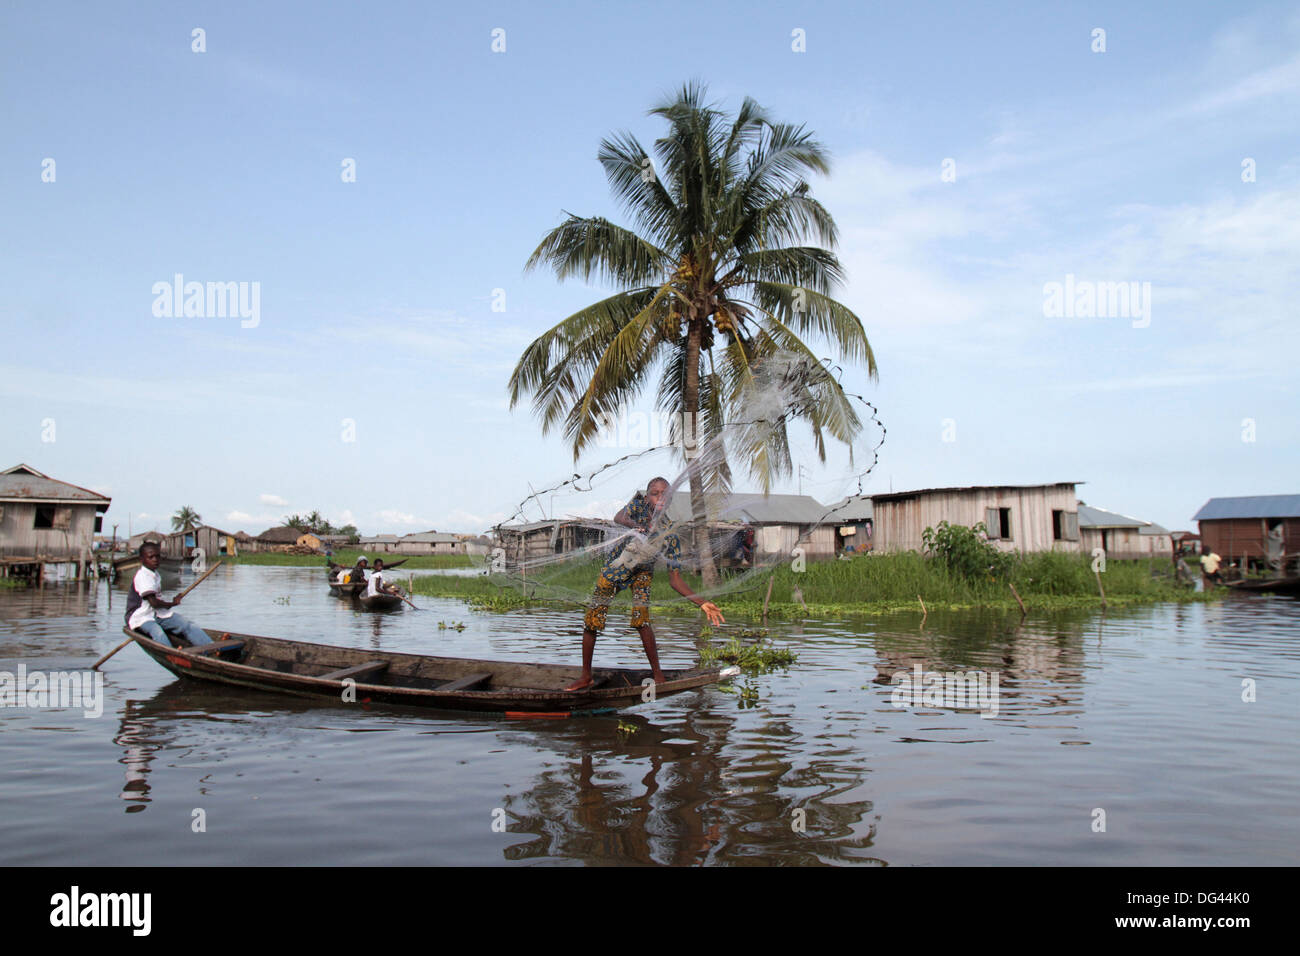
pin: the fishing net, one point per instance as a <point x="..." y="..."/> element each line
<point x="727" y="502"/>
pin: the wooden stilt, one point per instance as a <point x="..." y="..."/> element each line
<point x="1023" y="612"/>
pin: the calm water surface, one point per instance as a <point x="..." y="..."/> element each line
<point x="1138" y="713"/>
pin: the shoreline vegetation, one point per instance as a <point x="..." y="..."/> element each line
<point x="867" y="584"/>
<point x="863" y="585"/>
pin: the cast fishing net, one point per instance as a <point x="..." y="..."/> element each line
<point x="731" y="511"/>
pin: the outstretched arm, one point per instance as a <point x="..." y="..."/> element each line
<point x="708" y="607"/>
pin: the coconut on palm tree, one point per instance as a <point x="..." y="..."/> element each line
<point x="186" y="519"/>
<point x="725" y="267"/>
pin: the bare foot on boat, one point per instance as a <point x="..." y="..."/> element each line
<point x="582" y="683"/>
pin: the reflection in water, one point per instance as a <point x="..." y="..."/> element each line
<point x="822" y="768"/>
<point x="673" y="796"/>
<point x="133" y="736"/>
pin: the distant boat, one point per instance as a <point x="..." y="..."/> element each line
<point x="386" y="677"/>
<point x="1289" y="585"/>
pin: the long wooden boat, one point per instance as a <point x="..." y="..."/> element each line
<point x="441" y="683"/>
<point x="347" y="590"/>
<point x="380" y="602"/>
<point x="1289" y="585"/>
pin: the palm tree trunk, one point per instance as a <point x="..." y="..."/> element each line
<point x="691" y="432"/>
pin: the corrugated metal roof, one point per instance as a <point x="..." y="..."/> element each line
<point x="757" y="509"/>
<point x="430" y="537"/>
<point x="1090" y="517"/>
<point x="931" y="491"/>
<point x="25" y="482"/>
<point x="1250" y="506"/>
<point x="852" y="509"/>
<point x="1152" y="529"/>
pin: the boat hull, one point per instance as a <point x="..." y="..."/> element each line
<point x="380" y="602"/>
<point x="299" y="668"/>
<point x="1289" y="585"/>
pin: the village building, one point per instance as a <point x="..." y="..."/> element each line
<point x="379" y="543"/>
<point x="1121" y="536"/>
<point x="534" y="542"/>
<point x="853" y="525"/>
<point x="279" y="538"/>
<point x="214" y="542"/>
<point x="430" y="542"/>
<point x="1023" y="518"/>
<point x="47" y="526"/>
<point x="310" y="539"/>
<point x="780" y="523"/>
<point x="1243" y="529"/>
<point x="477" y="545"/>
<point x="140" y="537"/>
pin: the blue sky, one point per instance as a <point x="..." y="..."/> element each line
<point x="376" y="296"/>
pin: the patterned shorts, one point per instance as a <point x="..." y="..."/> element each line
<point x="594" y="620"/>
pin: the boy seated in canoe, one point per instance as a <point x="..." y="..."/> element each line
<point x="377" y="585"/>
<point x="151" y="615"/>
<point x="631" y="565"/>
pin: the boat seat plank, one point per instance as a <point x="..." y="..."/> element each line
<point x="468" y="682"/>
<point x="357" y="671"/>
<point x="216" y="647"/>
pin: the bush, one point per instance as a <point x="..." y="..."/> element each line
<point x="967" y="553"/>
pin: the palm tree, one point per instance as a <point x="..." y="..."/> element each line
<point x="186" y="519"/>
<point x="717" y="269"/>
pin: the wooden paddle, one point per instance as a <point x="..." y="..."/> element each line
<point x="95" y="666"/>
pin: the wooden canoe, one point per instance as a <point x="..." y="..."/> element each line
<point x="380" y="602"/>
<point x="347" y="590"/>
<point x="386" y="677"/>
<point x="1289" y="585"/>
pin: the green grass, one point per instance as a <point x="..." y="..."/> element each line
<point x="349" y="558"/>
<point x="870" y="584"/>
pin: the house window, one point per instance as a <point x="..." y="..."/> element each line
<point x="997" y="522"/>
<point x="99" y="524"/>
<point x="44" y="516"/>
<point x="1065" y="525"/>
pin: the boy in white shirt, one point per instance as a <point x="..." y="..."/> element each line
<point x="377" y="585"/>
<point x="147" y="611"/>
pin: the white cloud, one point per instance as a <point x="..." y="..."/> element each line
<point x="243" y="517"/>
<point x="271" y="500"/>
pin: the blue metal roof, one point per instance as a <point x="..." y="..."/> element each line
<point x="1250" y="506"/>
